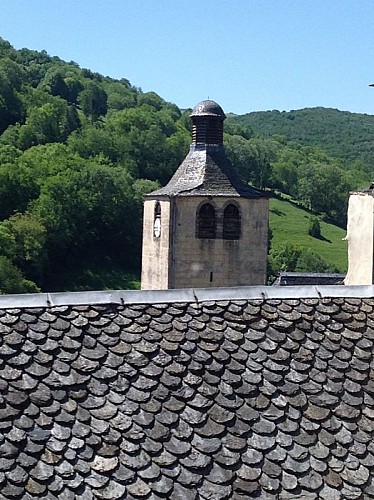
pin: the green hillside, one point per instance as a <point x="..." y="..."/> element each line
<point x="78" y="151"/>
<point x="345" y="135"/>
<point x="289" y="224"/>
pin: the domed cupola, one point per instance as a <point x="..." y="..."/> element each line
<point x="206" y="170"/>
<point x="207" y="123"/>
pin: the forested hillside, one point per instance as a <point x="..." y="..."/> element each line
<point x="78" y="150"/>
<point x="342" y="134"/>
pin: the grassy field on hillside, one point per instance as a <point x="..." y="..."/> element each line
<point x="290" y="223"/>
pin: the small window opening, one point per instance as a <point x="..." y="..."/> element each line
<point x="157" y="209"/>
<point x="157" y="220"/>
<point x="206" y="221"/>
<point x="231" y="223"/>
<point x="211" y="277"/>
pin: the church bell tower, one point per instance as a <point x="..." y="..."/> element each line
<point x="205" y="228"/>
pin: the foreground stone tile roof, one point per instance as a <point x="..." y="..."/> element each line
<point x="181" y="395"/>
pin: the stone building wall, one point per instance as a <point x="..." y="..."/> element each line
<point x="360" y="232"/>
<point x="219" y="262"/>
<point x="156" y="251"/>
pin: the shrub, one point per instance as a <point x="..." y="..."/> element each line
<point x="314" y="227"/>
<point x="12" y="280"/>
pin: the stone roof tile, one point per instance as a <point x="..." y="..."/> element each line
<point x="244" y="398"/>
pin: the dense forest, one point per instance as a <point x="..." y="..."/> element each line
<point x="78" y="151"/>
<point x="341" y="134"/>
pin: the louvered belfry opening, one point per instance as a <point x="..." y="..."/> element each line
<point x="206" y="221"/>
<point x="207" y="123"/>
<point x="231" y="223"/>
<point x="207" y="130"/>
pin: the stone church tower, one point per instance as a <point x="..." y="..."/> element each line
<point x="205" y="228"/>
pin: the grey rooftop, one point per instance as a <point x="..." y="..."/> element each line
<point x="213" y="394"/>
<point x="206" y="171"/>
<point x="287" y="278"/>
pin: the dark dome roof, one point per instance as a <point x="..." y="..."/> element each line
<point x="208" y="108"/>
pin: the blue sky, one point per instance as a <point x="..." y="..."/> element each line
<point x="248" y="55"/>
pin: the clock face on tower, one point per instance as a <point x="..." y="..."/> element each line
<point x="157" y="227"/>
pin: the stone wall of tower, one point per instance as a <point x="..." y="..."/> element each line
<point x="360" y="234"/>
<point x="156" y="250"/>
<point x="218" y="262"/>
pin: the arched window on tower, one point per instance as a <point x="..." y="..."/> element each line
<point x="231" y="223"/>
<point x="206" y="221"/>
<point x="157" y="220"/>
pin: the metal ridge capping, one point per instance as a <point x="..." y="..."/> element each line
<point x="183" y="295"/>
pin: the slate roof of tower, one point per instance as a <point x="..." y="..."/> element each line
<point x="188" y="394"/>
<point x="206" y="171"/>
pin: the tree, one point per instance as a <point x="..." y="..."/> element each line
<point x="314" y="227"/>
<point x="284" y="173"/>
<point x="234" y="128"/>
<point x="22" y="239"/>
<point x="176" y="148"/>
<point x="17" y="188"/>
<point x="294" y="258"/>
<point x="74" y="87"/>
<point x="120" y="96"/>
<point x="11" y="108"/>
<point x="93" y="140"/>
<point x="284" y="257"/>
<point x="240" y="153"/>
<point x="93" y="101"/>
<point x="152" y="99"/>
<point x="324" y="189"/>
<point x="21" y="179"/>
<point x="47" y="160"/>
<point x="89" y="212"/>
<point x="52" y="122"/>
<point x="9" y="154"/>
<point x="54" y="83"/>
<point x="141" y="136"/>
<point x="309" y="261"/>
<point x="252" y="158"/>
<point x="12" y="280"/>
<point x="265" y="152"/>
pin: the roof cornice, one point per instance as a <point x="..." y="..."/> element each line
<point x="184" y="295"/>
